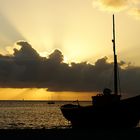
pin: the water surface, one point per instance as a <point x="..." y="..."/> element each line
<point x="32" y="115"/>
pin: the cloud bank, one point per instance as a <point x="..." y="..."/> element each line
<point x="26" y="68"/>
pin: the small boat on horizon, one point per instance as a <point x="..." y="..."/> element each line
<point x="107" y="110"/>
<point x="51" y="102"/>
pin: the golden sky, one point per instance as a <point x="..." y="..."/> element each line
<point x="81" y="29"/>
<point x="42" y="94"/>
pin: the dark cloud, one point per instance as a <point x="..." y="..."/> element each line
<point x="26" y="51"/>
<point x="56" y="56"/>
<point x="25" y="68"/>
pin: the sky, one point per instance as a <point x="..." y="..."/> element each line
<point x="81" y="29"/>
<point x="66" y="45"/>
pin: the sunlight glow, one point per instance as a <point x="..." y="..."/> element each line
<point x="82" y="32"/>
<point x="41" y="94"/>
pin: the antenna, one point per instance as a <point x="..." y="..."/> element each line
<point x="115" y="60"/>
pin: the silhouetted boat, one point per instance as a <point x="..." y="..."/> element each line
<point x="107" y="110"/>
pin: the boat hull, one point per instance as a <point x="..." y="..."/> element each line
<point x="125" y="114"/>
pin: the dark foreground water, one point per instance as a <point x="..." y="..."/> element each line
<point x="32" y="115"/>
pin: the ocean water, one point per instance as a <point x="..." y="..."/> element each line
<point x="32" y="115"/>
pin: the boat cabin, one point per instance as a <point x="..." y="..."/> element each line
<point x="105" y="98"/>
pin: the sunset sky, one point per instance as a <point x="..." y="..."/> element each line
<point x="79" y="29"/>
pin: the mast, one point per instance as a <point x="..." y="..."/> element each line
<point x="115" y="60"/>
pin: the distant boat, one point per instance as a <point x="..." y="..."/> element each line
<point x="107" y="110"/>
<point x="51" y="102"/>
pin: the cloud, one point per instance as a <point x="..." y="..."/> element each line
<point x="130" y="6"/>
<point x="56" y="56"/>
<point x="111" y="5"/>
<point x="26" y="51"/>
<point x="25" y="68"/>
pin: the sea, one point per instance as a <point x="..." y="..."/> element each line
<point x="24" y="114"/>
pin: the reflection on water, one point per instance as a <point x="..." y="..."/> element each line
<point x="23" y="113"/>
<point x="31" y="114"/>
